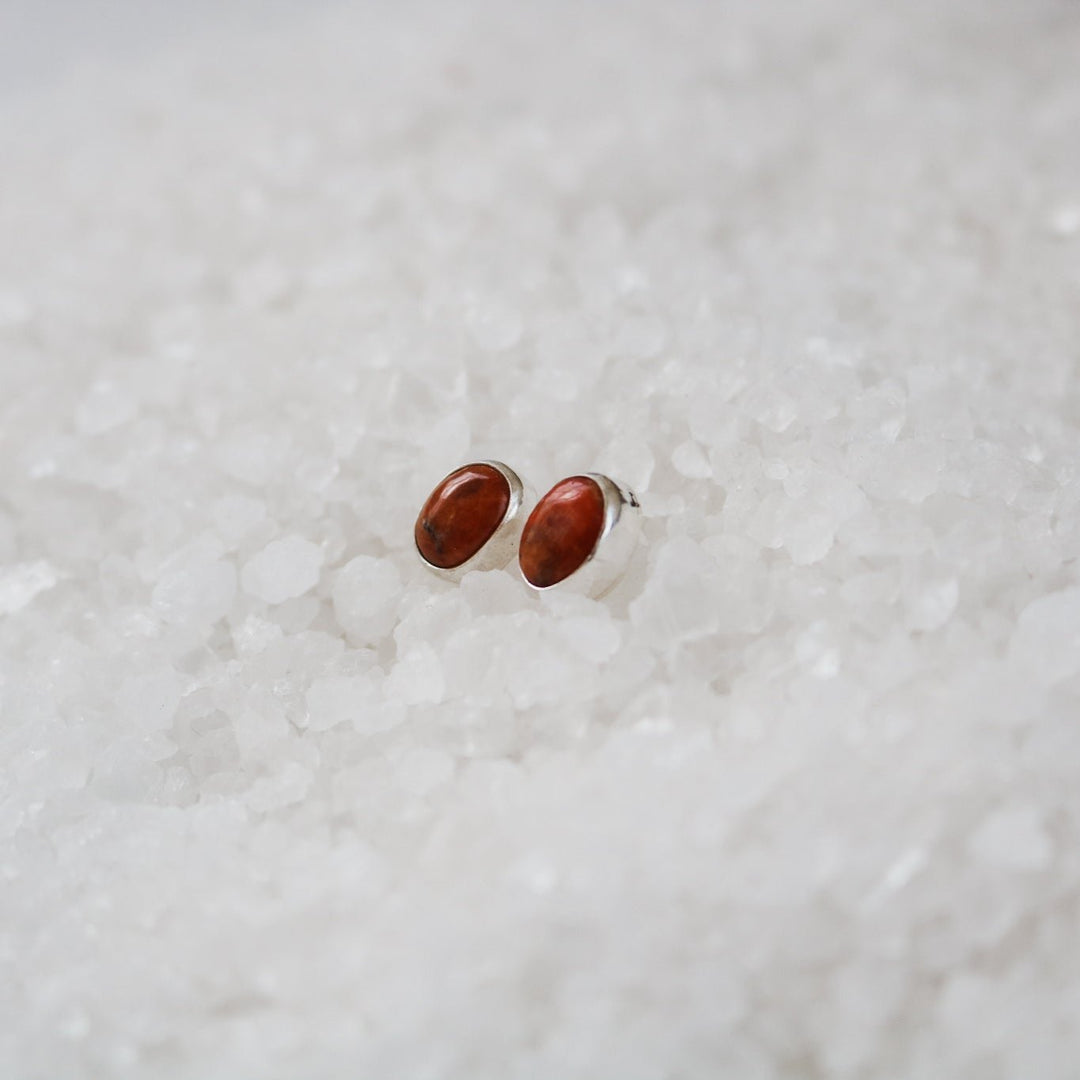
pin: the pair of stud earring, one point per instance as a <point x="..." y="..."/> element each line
<point x="581" y="533"/>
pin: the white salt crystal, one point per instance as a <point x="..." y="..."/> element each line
<point x="384" y="713"/>
<point x="860" y="992"/>
<point x="253" y="456"/>
<point x="966" y="1005"/>
<point x="19" y="584"/>
<point x="284" y="569"/>
<point x="106" y="405"/>
<point x="15" y="309"/>
<point x="1013" y="838"/>
<point x="932" y="604"/>
<point x="366" y="594"/>
<point x="537" y="671"/>
<point x="682" y="597"/>
<point x="491" y="592"/>
<point x="337" y="699"/>
<point x="899" y="874"/>
<point x="212" y="752"/>
<point x="535" y="873"/>
<point x="629" y="460"/>
<point x="259" y="731"/>
<point x="641" y="336"/>
<point x="197" y="592"/>
<point x="287" y="787"/>
<point x="494" y="325"/>
<point x="772" y="407"/>
<point x="594" y="639"/>
<point x="1046" y="642"/>
<point x="235" y="516"/>
<point x="445" y="440"/>
<point x="1065" y="220"/>
<point x="807" y="531"/>
<point x="8" y="544"/>
<point x="880" y="411"/>
<point x="75" y="1025"/>
<point x="254" y="635"/>
<point x="691" y="461"/>
<point x="424" y="770"/>
<point x="148" y="701"/>
<point x="815" y="649"/>
<point x="125" y="771"/>
<point x="417" y="677"/>
<point x="263" y="284"/>
<point x="907" y="470"/>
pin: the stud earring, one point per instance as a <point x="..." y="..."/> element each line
<point x="582" y="531"/>
<point x="471" y="520"/>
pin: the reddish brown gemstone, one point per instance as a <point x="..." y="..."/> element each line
<point x="562" y="531"/>
<point x="461" y="515"/>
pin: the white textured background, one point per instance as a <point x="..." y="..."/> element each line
<point x="801" y="800"/>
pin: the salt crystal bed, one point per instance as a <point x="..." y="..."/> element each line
<point x="800" y="799"/>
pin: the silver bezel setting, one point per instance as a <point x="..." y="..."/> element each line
<point x="502" y="545"/>
<point x="610" y="556"/>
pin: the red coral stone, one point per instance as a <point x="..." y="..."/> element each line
<point x="461" y="515"/>
<point x="562" y="531"/>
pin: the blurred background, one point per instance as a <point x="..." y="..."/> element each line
<point x="42" y="41"/>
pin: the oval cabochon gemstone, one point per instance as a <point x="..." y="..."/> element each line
<point x="461" y="515"/>
<point x="562" y="531"/>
